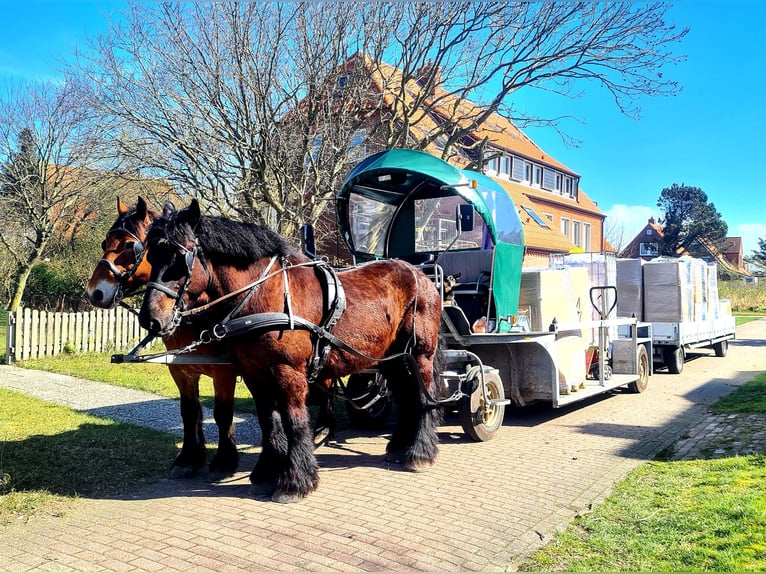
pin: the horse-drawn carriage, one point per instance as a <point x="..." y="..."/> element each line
<point x="437" y="281"/>
<point x="464" y="230"/>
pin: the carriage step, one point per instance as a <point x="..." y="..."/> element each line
<point x="499" y="402"/>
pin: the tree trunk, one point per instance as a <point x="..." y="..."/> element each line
<point x="18" y="292"/>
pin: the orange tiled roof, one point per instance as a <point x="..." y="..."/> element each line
<point x="501" y="131"/>
<point x="535" y="236"/>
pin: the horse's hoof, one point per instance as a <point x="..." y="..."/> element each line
<point x="262" y="489"/>
<point x="395" y="457"/>
<point x="218" y="474"/>
<point x="417" y="465"/>
<point x="183" y="472"/>
<point x="285" y="498"/>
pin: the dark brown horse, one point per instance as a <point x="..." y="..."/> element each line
<point x="123" y="270"/>
<point x="273" y="300"/>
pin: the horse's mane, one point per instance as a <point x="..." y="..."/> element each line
<point x="225" y="239"/>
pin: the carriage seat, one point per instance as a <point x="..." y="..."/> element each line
<point x="471" y="269"/>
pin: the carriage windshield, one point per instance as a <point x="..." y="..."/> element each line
<point x="370" y="220"/>
<point x="420" y="226"/>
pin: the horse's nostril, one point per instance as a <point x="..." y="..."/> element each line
<point x="97" y="296"/>
<point x="154" y="326"/>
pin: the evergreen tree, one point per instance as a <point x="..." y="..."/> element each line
<point x="688" y="216"/>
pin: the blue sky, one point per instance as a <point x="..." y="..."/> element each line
<point x="710" y="135"/>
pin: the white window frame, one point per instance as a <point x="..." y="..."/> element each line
<point x="505" y="166"/>
<point x="649" y="249"/>
<point x="538" y="181"/>
<point x="577" y="233"/>
<point x="586" y="232"/>
<point x="565" y="226"/>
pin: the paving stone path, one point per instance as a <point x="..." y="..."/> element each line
<point x="481" y="507"/>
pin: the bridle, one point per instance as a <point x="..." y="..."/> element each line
<point x="190" y="256"/>
<point x="124" y="276"/>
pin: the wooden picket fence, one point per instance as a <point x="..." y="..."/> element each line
<point x="32" y="334"/>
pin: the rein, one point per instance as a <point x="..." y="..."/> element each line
<point x="265" y="322"/>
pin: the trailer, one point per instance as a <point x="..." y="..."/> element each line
<point x="464" y="231"/>
<point x="673" y="340"/>
<point x="679" y="297"/>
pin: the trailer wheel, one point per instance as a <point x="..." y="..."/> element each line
<point x="639" y="385"/>
<point x="361" y="388"/>
<point x="480" y="421"/>
<point x="721" y="348"/>
<point x="674" y="359"/>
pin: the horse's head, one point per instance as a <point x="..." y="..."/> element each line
<point x="171" y="251"/>
<point x="122" y="268"/>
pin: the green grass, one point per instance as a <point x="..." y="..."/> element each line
<point x="748" y="398"/>
<point x="671" y="517"/>
<point x="152" y="378"/>
<point x="51" y="455"/>
<point x="742" y="319"/>
<point x="750" y="299"/>
<point x="701" y="515"/>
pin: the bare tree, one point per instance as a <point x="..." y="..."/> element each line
<point x="461" y="62"/>
<point x="256" y="108"/>
<point x="47" y="155"/>
<point x="616" y="234"/>
<point x="238" y="103"/>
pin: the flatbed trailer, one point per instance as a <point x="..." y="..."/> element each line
<point x="673" y="340"/>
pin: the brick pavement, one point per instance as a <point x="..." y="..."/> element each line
<point x="481" y="507"/>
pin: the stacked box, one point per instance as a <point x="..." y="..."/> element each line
<point x="668" y="290"/>
<point x="561" y="294"/>
<point x="699" y="279"/>
<point x="630" y="290"/>
<point x="712" y="283"/>
<point x="602" y="271"/>
<point x="548" y="293"/>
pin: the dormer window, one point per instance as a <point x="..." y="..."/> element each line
<point x="549" y="178"/>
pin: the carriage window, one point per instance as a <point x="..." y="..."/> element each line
<point x="435" y="226"/>
<point x="370" y="220"/>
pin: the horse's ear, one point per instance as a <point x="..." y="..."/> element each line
<point x="122" y="209"/>
<point x="168" y="210"/>
<point x="192" y="213"/>
<point x="141" y="208"/>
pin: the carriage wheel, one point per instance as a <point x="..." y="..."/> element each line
<point x="721" y="348"/>
<point x="361" y="388"/>
<point x="639" y="386"/>
<point x="674" y="359"/>
<point x="481" y="421"/>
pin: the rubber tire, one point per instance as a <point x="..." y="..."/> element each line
<point x="642" y="360"/>
<point x="374" y="417"/>
<point x="674" y="359"/>
<point x="721" y="348"/>
<point x="479" y="425"/>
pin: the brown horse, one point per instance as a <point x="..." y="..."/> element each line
<point x="268" y="303"/>
<point x="123" y="270"/>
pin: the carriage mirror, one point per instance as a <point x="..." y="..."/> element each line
<point x="465" y="217"/>
<point x="307" y="240"/>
